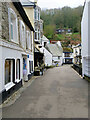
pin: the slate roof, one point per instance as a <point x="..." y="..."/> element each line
<point x="27" y="3"/>
<point x="45" y="39"/>
<point x="55" y="49"/>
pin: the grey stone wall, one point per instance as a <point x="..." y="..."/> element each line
<point x="4" y="22"/>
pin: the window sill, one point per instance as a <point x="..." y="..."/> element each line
<point x="29" y="74"/>
<point x="17" y="80"/>
<point x="9" y="85"/>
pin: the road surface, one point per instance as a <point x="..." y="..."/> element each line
<point x="59" y="93"/>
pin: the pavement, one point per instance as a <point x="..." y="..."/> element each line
<point x="59" y="93"/>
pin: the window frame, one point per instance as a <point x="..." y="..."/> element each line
<point x="11" y="83"/>
<point x="18" y="60"/>
<point x="22" y="39"/>
<point x="15" y="26"/>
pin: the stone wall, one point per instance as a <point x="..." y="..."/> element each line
<point x="5" y="20"/>
<point x="5" y="23"/>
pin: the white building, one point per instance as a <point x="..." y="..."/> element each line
<point x="33" y="11"/>
<point x="57" y="53"/>
<point x="85" y="35"/>
<point x="16" y="48"/>
<point x="67" y="57"/>
<point x="77" y="59"/>
<point x="47" y="54"/>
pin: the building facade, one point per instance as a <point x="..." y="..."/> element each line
<point x="16" y="47"/>
<point x="32" y="9"/>
<point x="47" y="54"/>
<point x="57" y="53"/>
<point x="67" y="57"/>
<point x="77" y="59"/>
<point x="85" y="36"/>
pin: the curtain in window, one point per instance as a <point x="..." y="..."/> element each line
<point x="7" y="71"/>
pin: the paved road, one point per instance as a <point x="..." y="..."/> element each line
<point x="60" y="93"/>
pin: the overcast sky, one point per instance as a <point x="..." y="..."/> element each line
<point x="59" y="3"/>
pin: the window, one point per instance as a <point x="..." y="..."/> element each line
<point x="35" y="13"/>
<point x="18" y="69"/>
<point x="36" y="35"/>
<point x="32" y="66"/>
<point x="59" y="57"/>
<point x="45" y="44"/>
<point x="29" y="66"/>
<point x="13" y="26"/>
<point x="8" y="71"/>
<point x="31" y="40"/>
<point x="28" y="40"/>
<point x="22" y="35"/>
<point x="38" y="14"/>
<point x="67" y="54"/>
<point x="80" y="51"/>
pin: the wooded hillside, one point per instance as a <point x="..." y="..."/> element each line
<point x="61" y="18"/>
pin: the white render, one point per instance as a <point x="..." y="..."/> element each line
<point x="57" y="60"/>
<point x="70" y="57"/>
<point x="76" y="52"/>
<point x="85" y="35"/>
<point x="13" y="50"/>
<point x="44" y="40"/>
<point x="57" y="53"/>
<point x="47" y="54"/>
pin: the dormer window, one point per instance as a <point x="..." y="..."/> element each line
<point x="13" y="26"/>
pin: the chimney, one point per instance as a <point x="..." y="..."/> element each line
<point x="35" y="1"/>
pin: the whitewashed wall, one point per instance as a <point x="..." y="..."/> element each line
<point x="85" y="35"/>
<point x="10" y="54"/>
<point x="47" y="56"/>
<point x="89" y="29"/>
<point x="15" y="53"/>
<point x="60" y="61"/>
<point x="84" y="32"/>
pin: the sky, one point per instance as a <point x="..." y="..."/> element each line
<point x="59" y="3"/>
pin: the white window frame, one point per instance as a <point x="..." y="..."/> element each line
<point x="22" y="38"/>
<point x="38" y="14"/>
<point x="10" y="84"/>
<point x="17" y="67"/>
<point x="36" y="32"/>
<point x="15" y="31"/>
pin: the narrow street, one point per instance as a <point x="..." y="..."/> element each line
<point x="59" y="93"/>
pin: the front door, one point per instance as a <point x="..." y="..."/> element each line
<point x="24" y="69"/>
